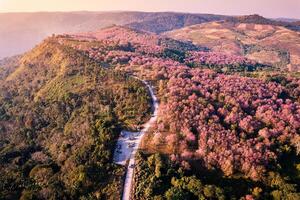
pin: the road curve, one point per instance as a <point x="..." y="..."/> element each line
<point x="129" y="174"/>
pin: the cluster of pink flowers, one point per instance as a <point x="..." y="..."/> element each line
<point x="229" y="122"/>
<point x="113" y="56"/>
<point x="122" y="36"/>
<point x="149" y="44"/>
<point x="217" y="59"/>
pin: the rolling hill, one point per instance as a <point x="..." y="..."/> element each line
<point x="265" y="43"/>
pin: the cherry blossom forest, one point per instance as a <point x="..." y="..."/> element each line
<point x="222" y="120"/>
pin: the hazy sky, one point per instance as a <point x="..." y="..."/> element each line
<point x="268" y="8"/>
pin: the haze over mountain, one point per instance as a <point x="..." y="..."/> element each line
<point x="21" y="31"/>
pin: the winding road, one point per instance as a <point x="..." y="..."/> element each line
<point x="123" y="152"/>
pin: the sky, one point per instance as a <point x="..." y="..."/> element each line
<point x="267" y="8"/>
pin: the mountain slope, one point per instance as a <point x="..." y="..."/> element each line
<point x="60" y="115"/>
<point x="267" y="44"/>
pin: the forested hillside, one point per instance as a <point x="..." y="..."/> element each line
<point x="60" y="115"/>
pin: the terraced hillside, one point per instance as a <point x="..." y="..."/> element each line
<point x="267" y="44"/>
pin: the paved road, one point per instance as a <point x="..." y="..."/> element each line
<point x="124" y="152"/>
<point x="125" y="144"/>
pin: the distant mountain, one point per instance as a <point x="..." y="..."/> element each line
<point x="170" y="21"/>
<point x="294" y="26"/>
<point x="257" y="19"/>
<point x="21" y="31"/>
<point x="282" y="19"/>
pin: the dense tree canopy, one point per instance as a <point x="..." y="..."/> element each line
<point x="60" y="115"/>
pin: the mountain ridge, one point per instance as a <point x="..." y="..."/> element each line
<point x="21" y="31"/>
